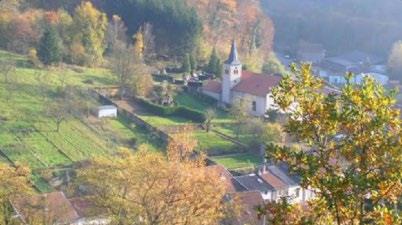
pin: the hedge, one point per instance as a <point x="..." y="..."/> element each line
<point x="179" y="111"/>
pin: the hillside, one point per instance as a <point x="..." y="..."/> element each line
<point x="192" y="26"/>
<point x="28" y="134"/>
<point x="367" y="25"/>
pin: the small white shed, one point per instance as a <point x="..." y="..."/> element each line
<point x="107" y="111"/>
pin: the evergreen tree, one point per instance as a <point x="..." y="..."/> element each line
<point x="193" y="63"/>
<point x="186" y="64"/>
<point x="218" y="68"/>
<point x="49" y="48"/>
<point x="214" y="64"/>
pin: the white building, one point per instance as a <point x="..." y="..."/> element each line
<point x="239" y="84"/>
<point x="359" y="78"/>
<point x="274" y="182"/>
<point x="107" y="111"/>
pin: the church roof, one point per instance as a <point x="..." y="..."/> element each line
<point x="233" y="56"/>
<point x="256" y="84"/>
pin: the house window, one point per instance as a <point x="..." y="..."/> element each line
<point x="227" y="71"/>
<point x="297" y="192"/>
<point x="254" y="106"/>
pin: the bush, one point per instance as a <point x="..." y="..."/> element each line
<point x="179" y="111"/>
<point x="191" y="114"/>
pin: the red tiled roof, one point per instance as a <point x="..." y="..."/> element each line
<point x="249" y="201"/>
<point x="54" y="207"/>
<point x="274" y="181"/>
<point x="256" y="84"/>
<point x="213" y="86"/>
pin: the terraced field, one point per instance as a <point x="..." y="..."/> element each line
<point x="28" y="136"/>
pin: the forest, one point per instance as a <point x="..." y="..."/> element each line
<point x="177" y="27"/>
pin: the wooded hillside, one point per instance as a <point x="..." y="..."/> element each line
<point x="179" y="27"/>
<point x="368" y="25"/>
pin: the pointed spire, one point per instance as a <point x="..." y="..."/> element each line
<point x="233" y="57"/>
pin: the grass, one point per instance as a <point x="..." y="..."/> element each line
<point x="238" y="161"/>
<point x="214" y="144"/>
<point x="158" y="121"/>
<point x="28" y="136"/>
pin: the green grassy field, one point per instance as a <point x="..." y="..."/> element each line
<point x="238" y="161"/>
<point x="28" y="136"/>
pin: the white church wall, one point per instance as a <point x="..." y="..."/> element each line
<point x="261" y="103"/>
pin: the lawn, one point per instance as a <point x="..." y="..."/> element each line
<point x="214" y="144"/>
<point x="158" y="121"/>
<point x="238" y="161"/>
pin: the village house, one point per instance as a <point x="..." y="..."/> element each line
<point x="274" y="182"/>
<point x="238" y="84"/>
<point x="55" y="208"/>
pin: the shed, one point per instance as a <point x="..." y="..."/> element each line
<point x="107" y="111"/>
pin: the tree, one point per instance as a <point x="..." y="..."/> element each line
<point x="186" y="64"/>
<point x="193" y="63"/>
<point x="182" y="145"/>
<point x="149" y="42"/>
<point x="14" y="182"/>
<point x="214" y="65"/>
<point x="239" y="111"/>
<point x="354" y="155"/>
<point x="122" y="65"/>
<point x="139" y="45"/>
<point x="145" y="188"/>
<point x="395" y="61"/>
<point x="90" y="30"/>
<point x="116" y="33"/>
<point x="65" y="106"/>
<point x="273" y="66"/>
<point x="284" y="213"/>
<point x="49" y="49"/>
<point x="210" y="115"/>
<point x="142" y="81"/>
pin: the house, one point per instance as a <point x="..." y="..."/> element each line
<point x="248" y="202"/>
<point x="310" y="52"/>
<point x="52" y="208"/>
<point x="359" y="78"/>
<point x="226" y="177"/>
<point x="354" y="61"/>
<point x="275" y="182"/>
<point x="238" y="84"/>
<point x="107" y="111"/>
<point x="378" y="77"/>
<point x="55" y="208"/>
<point x="252" y="182"/>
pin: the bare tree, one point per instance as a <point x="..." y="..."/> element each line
<point x="149" y="42"/>
<point x="210" y="115"/>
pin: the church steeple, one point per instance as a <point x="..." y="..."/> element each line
<point x="233" y="56"/>
<point x="232" y="74"/>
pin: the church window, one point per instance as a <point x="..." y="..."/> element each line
<point x="254" y="106"/>
<point x="236" y="71"/>
<point x="227" y="71"/>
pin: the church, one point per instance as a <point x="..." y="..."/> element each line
<point x="239" y="84"/>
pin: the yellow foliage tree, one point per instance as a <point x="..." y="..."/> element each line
<point x="14" y="182"/>
<point x="145" y="188"/>
<point x="90" y="27"/>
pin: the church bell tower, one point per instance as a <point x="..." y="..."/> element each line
<point x="232" y="70"/>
